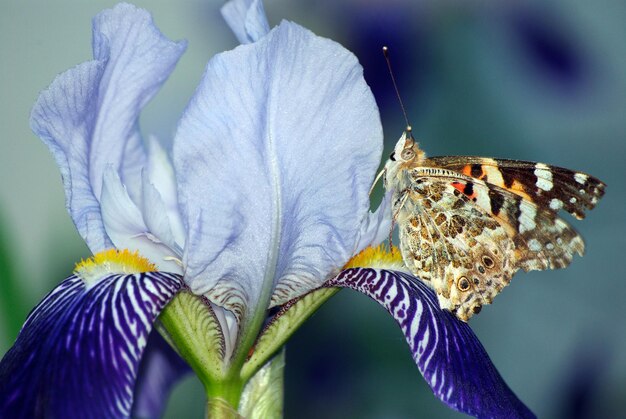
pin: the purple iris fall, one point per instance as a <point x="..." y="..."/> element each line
<point x="262" y="201"/>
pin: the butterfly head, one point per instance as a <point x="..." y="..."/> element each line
<point x="406" y="155"/>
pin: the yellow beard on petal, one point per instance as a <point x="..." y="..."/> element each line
<point x="377" y="257"/>
<point x="110" y="262"/>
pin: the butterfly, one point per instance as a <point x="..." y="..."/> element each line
<point x="467" y="224"/>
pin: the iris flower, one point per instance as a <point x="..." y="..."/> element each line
<point x="226" y="245"/>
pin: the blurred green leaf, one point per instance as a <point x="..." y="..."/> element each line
<point x="13" y="308"/>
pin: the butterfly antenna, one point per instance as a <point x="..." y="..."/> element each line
<point x="395" y="86"/>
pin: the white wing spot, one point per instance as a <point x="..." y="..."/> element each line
<point x="572" y="200"/>
<point x="493" y="174"/>
<point x="534" y="245"/>
<point x="527" y="218"/>
<point x="556" y="204"/>
<point x="581" y="178"/>
<point x="544" y="177"/>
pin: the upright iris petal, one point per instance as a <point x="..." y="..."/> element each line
<point x="283" y="137"/>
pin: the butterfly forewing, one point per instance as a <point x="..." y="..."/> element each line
<point x="549" y="187"/>
<point x="542" y="240"/>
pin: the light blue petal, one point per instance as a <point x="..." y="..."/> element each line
<point x="127" y="228"/>
<point x="274" y="157"/>
<point x="377" y="226"/>
<point x="63" y="118"/>
<point x="160" y="174"/>
<point x="139" y="59"/>
<point x="79" y="351"/>
<point x="88" y="115"/>
<point x="155" y="215"/>
<point x="246" y="19"/>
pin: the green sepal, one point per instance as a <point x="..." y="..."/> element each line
<point x="262" y="397"/>
<point x="191" y="327"/>
<point x="282" y="326"/>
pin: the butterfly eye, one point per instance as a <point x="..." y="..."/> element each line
<point x="392" y="157"/>
<point x="463" y="284"/>
<point x="407" y="154"/>
<point x="488" y="262"/>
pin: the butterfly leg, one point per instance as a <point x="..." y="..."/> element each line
<point x="378" y="176"/>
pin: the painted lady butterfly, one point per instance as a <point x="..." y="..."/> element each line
<point x="467" y="224"/>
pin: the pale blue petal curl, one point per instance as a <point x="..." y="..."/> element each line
<point x="63" y="118"/>
<point x="126" y="225"/>
<point x="247" y="20"/>
<point x="88" y="115"/>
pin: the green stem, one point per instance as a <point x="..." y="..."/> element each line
<point x="217" y="408"/>
<point x="226" y="391"/>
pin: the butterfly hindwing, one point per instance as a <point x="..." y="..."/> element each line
<point x="448" y="241"/>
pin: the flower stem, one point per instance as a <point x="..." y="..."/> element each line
<point x="218" y="408"/>
<point x="227" y="391"/>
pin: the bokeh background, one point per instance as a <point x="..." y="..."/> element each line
<point x="534" y="80"/>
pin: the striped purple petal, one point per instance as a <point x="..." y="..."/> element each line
<point x="79" y="351"/>
<point x="446" y="351"/>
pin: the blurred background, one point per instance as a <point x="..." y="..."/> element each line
<point x="532" y="80"/>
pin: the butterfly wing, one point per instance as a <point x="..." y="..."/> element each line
<point x="456" y="231"/>
<point x="459" y="250"/>
<point x="549" y="187"/>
